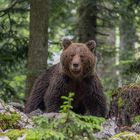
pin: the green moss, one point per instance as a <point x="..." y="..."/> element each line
<point x="39" y="134"/>
<point x="35" y="134"/>
<point x="136" y="119"/>
<point x="8" y="120"/>
<point x="13" y="134"/>
<point x="120" y="102"/>
<point x="126" y="136"/>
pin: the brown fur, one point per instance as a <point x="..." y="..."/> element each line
<point x="75" y="73"/>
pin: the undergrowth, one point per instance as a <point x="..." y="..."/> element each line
<point x="71" y="125"/>
<point x="65" y="126"/>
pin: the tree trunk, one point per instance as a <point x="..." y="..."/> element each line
<point x="127" y="40"/>
<point x="127" y="36"/>
<point x="87" y="20"/>
<point x="117" y="58"/>
<point x="38" y="44"/>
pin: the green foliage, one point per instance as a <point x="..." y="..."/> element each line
<point x="132" y="67"/>
<point x="16" y="86"/>
<point x="40" y="134"/>
<point x="65" y="126"/>
<point x="69" y="124"/>
<point x="8" y="121"/>
<point x="33" y="134"/>
<point x="136" y="119"/>
<point x="60" y="10"/>
<point x="14" y="33"/>
<point x="65" y="108"/>
<point x="13" y="134"/>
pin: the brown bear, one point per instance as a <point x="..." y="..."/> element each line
<point x="75" y="73"/>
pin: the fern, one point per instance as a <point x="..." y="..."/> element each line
<point x="69" y="124"/>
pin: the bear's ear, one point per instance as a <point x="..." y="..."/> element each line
<point x="66" y="43"/>
<point x="91" y="44"/>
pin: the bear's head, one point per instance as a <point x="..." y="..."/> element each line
<point x="77" y="59"/>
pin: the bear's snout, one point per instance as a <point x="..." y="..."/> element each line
<point x="76" y="63"/>
<point x="75" y="67"/>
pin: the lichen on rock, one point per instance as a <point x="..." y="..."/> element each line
<point x="126" y="136"/>
<point x="11" y="118"/>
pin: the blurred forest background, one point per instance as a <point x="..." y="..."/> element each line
<point x="31" y="32"/>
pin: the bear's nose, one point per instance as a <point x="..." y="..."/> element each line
<point x="75" y="65"/>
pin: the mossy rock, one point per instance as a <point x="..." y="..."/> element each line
<point x="33" y="134"/>
<point x="12" y="118"/>
<point x="9" y="120"/>
<point x="126" y="136"/>
<point x="125" y="103"/>
<point x="67" y="126"/>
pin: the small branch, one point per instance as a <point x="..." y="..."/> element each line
<point x="6" y="10"/>
<point x="10" y="25"/>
